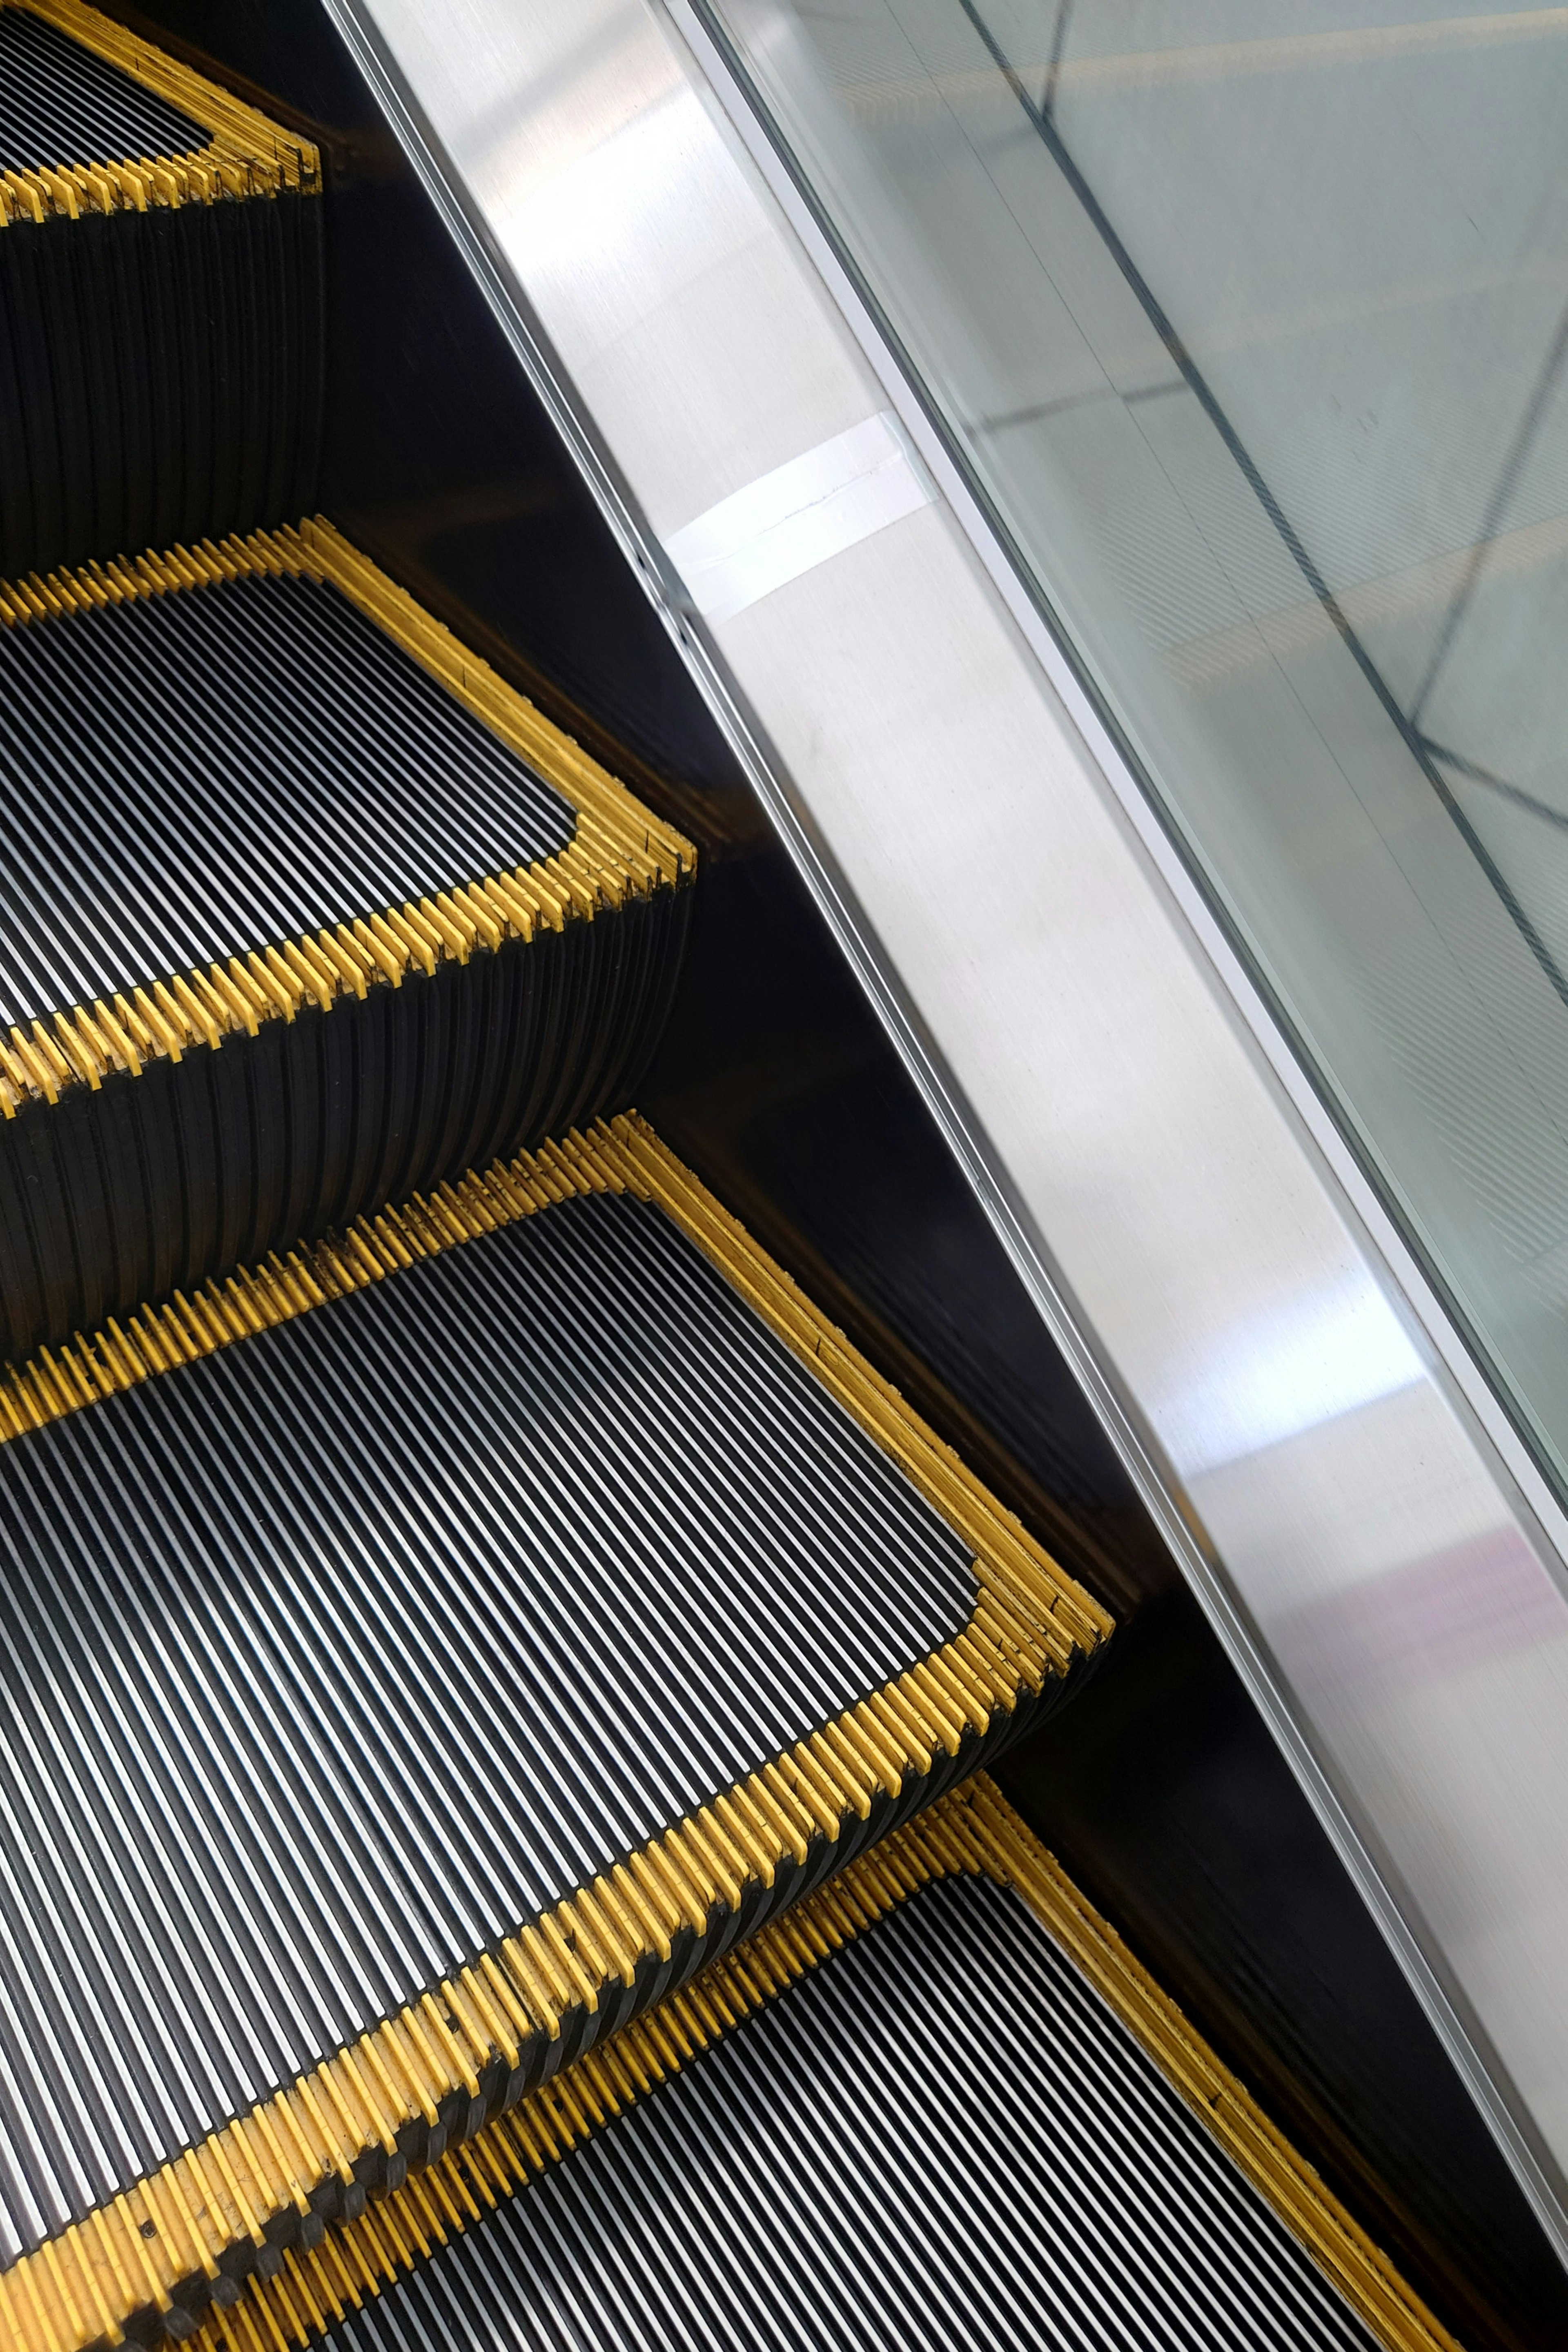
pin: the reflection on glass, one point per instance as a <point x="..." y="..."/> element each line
<point x="1251" y="319"/>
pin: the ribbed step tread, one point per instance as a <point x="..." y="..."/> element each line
<point x="161" y="298"/>
<point x="937" y="2138"/>
<point x="982" y="2123"/>
<point x="333" y="1657"/>
<point x="191" y="777"/>
<point x="61" y="104"/>
<point x="306" y="911"/>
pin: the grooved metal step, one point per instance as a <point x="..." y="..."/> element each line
<point x="62" y="104"/>
<point x="937" y="2103"/>
<point x="518" y="1627"/>
<point x="305" y="911"/>
<point x="937" y="2139"/>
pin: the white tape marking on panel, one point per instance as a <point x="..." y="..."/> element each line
<point x="790" y="521"/>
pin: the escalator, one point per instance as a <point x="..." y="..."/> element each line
<point x="924" y="2001"/>
<point x="529" y="1582"/>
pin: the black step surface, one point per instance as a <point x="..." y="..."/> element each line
<point x="937" y="2138"/>
<point x="189" y="777"/>
<point x="61" y="104"/>
<point x="326" y="1662"/>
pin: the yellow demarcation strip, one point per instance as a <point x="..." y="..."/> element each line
<point x="973" y="1830"/>
<point x="244" y="154"/>
<point x="620" y="849"/>
<point x="537" y="1988"/>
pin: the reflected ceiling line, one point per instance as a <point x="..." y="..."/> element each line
<point x="1038" y="413"/>
<point x="1475" y="774"/>
<point x="1098" y="72"/>
<point x="1058" y="47"/>
<point x="1144" y="293"/>
<point x="1491" y="522"/>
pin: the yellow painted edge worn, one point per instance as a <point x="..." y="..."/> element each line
<point x="1029" y="1621"/>
<point x="620" y="849"/>
<point x="973" y="1830"/>
<point x="247" y="155"/>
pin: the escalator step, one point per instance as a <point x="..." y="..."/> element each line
<point x="516" y="1627"/>
<point x="161" y="298"/>
<point x="59" y="103"/>
<point x="800" y="2188"/>
<point x="304" y="911"/>
<point x="939" y="2104"/>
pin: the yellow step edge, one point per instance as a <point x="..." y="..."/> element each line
<point x="361" y="2258"/>
<point x="1030" y="1621"/>
<point x="621" y="849"/>
<point x="245" y="154"/>
<point x="1025" y="1595"/>
<point x="971" y="1831"/>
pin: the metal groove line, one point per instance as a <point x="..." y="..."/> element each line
<point x="1090" y="2210"/>
<point x="271" y="1639"/>
<point x="950" y="2019"/>
<point x="61" y="104"/>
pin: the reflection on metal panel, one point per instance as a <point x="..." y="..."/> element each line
<point x="1065" y="1000"/>
<point x="796" y="516"/>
